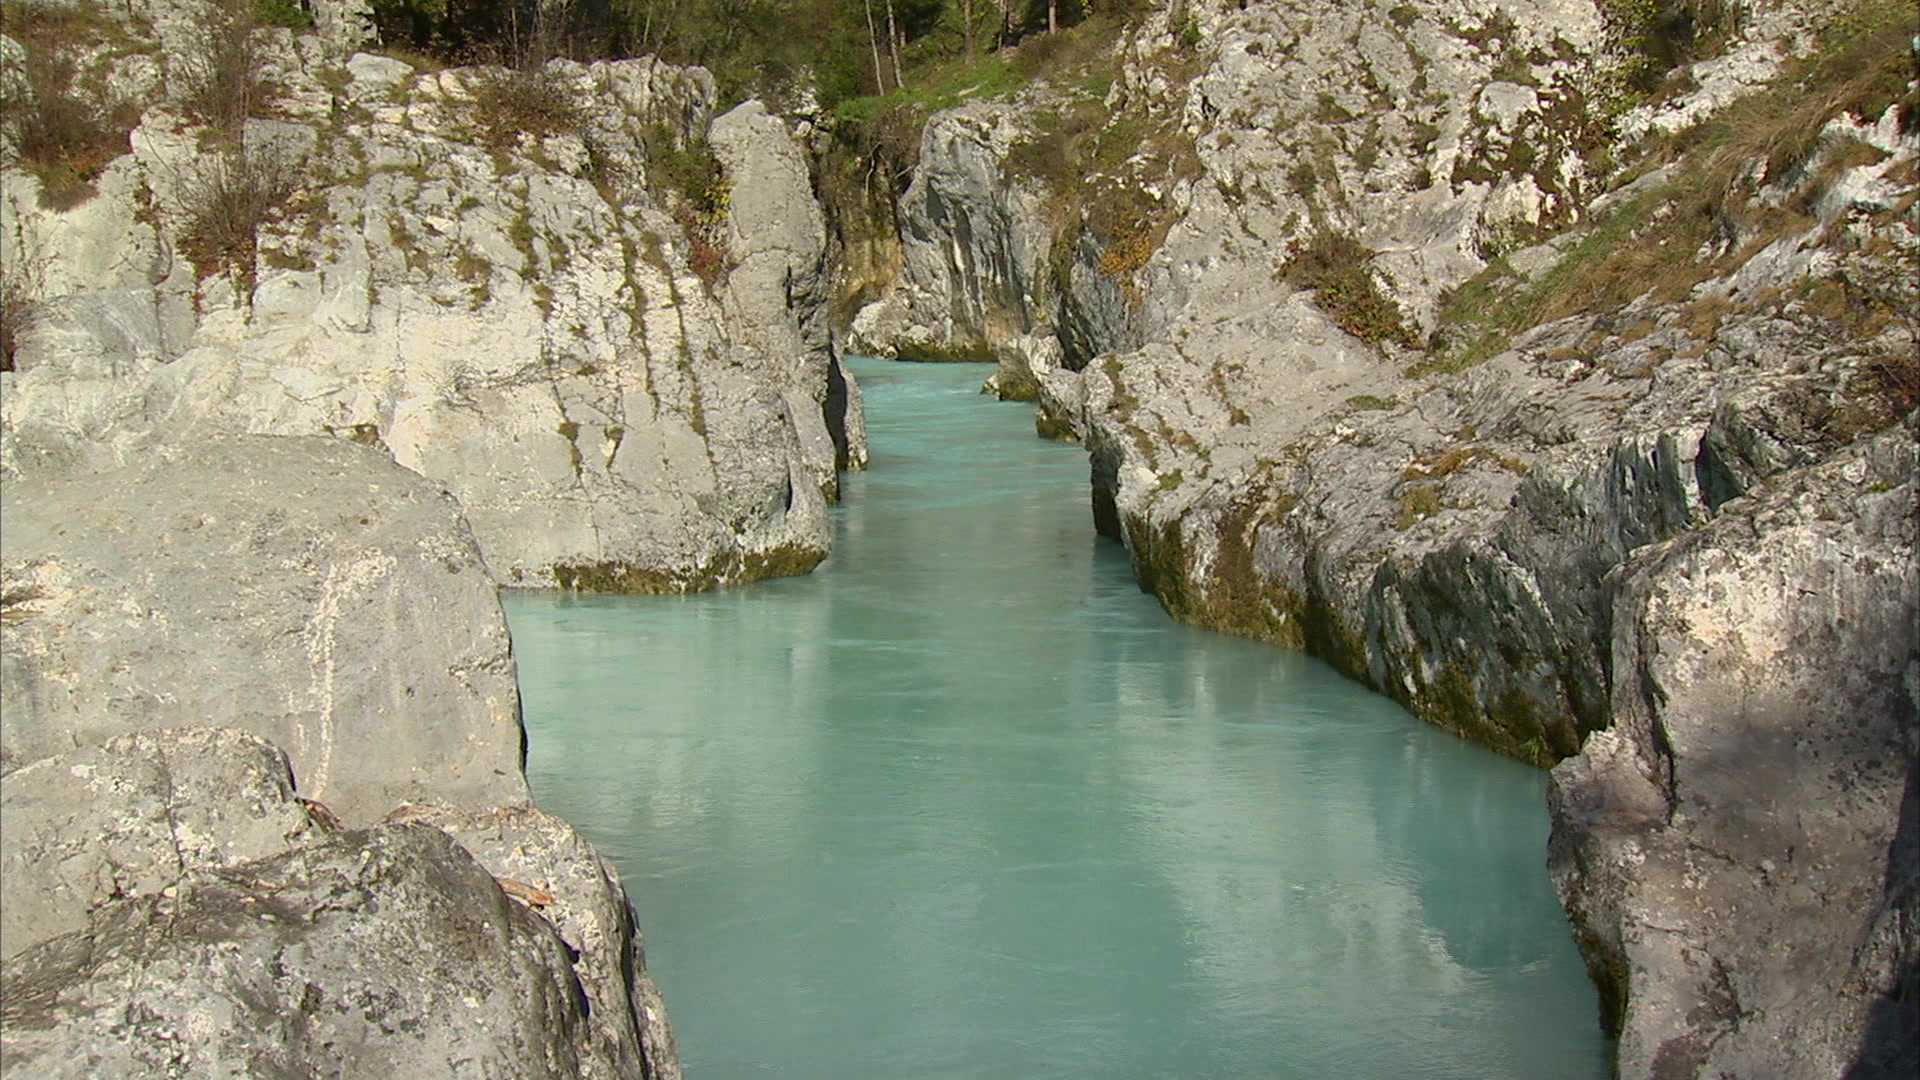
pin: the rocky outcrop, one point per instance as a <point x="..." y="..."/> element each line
<point x="309" y="591"/>
<point x="1389" y="341"/>
<point x="974" y="270"/>
<point x="1738" y="848"/>
<point x="133" y="815"/>
<point x="513" y="280"/>
<point x="589" y="908"/>
<point x="217" y="660"/>
<point x="777" y="291"/>
<point x="385" y="951"/>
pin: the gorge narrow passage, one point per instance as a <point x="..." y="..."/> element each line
<point x="966" y="803"/>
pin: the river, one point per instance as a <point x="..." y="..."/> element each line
<point x="966" y="803"/>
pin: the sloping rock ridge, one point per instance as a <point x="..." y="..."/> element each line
<point x="1482" y="350"/>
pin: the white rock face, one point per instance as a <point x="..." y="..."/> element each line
<point x="505" y="303"/>
<point x="974" y="267"/>
<point x="1698" y="840"/>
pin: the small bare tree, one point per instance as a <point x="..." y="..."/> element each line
<point x="221" y="73"/>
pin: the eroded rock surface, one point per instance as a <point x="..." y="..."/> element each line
<point x="589" y="909"/>
<point x="1738" y="849"/>
<point x="164" y="864"/>
<point x="307" y="590"/>
<point x="383" y="952"/>
<point x="132" y="816"/>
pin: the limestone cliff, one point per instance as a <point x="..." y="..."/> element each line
<point x="260" y="772"/>
<point x="1481" y="349"/>
<point x="552" y="289"/>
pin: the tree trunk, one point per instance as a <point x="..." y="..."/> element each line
<point x="1053" y="16"/>
<point x="893" y="47"/>
<point x="873" y="39"/>
<point x="966" y="27"/>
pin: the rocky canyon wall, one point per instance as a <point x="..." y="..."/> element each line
<point x="1515" y="358"/>
<point x="569" y="293"/>
<point x="308" y="350"/>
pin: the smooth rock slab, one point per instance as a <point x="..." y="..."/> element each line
<point x="385" y="952"/>
<point x="307" y="590"/>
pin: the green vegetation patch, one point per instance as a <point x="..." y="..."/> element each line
<point x="1334" y="265"/>
<point x="511" y="103"/>
<point x="1650" y="244"/>
<point x="699" y="195"/>
<point x="730" y="568"/>
<point x="1656" y="36"/>
<point x="282" y="13"/>
<point x="65" y="127"/>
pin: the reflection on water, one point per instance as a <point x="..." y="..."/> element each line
<point x="966" y="803"/>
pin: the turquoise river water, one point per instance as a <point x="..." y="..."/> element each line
<point x="966" y="803"/>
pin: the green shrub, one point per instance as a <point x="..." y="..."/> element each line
<point x="1334" y="265"/>
<point x="698" y="193"/>
<point x="1416" y="505"/>
<point x="62" y="135"/>
<point x="284" y="13"/>
<point x="221" y="71"/>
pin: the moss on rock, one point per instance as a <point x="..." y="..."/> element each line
<point x="731" y="568"/>
<point x="912" y="353"/>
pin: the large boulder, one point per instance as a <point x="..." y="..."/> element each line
<point x="384" y="952"/>
<point x="589" y="908"/>
<point x="333" y="605"/>
<point x="309" y="591"/>
<point x="1739" y="850"/>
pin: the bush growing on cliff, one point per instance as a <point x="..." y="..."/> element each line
<point x="1657" y="36"/>
<point x="513" y="102"/>
<point x="698" y="192"/>
<point x="1334" y="265"/>
<point x="14" y="306"/>
<point x="227" y="201"/>
<point x="221" y="74"/>
<point x="64" y="129"/>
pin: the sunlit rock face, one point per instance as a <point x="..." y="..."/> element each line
<point x="380" y="949"/>
<point x="512" y="281"/>
<point x="307" y="590"/>
<point x="1739" y="848"/>
<point x="242" y="630"/>
<point x="214" y="661"/>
